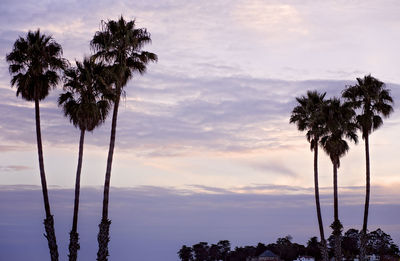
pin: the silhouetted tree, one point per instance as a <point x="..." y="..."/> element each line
<point x="339" y="122"/>
<point x="201" y="251"/>
<point x="307" y="115"/>
<point x="313" y="248"/>
<point x="85" y="103"/>
<point x="213" y="253"/>
<point x="285" y="249"/>
<point x="224" y="247"/>
<point x="373" y="100"/>
<point x="241" y="253"/>
<point x="35" y="65"/>
<point x="119" y="44"/>
<point x="186" y="253"/>
<point x="260" y="248"/>
<point x="380" y="243"/>
<point x="351" y="244"/>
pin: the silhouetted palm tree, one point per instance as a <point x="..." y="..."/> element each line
<point x="308" y="117"/>
<point x="85" y="103"/>
<point x="119" y="44"/>
<point x="373" y="100"/>
<point x="35" y="63"/>
<point x="340" y="124"/>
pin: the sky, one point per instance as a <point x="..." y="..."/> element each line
<point x="211" y="117"/>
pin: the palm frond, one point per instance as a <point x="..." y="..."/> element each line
<point x="35" y="64"/>
<point x="87" y="99"/>
<point x="119" y="44"/>
<point x="371" y="96"/>
<point x="340" y="124"/>
<point x="307" y="115"/>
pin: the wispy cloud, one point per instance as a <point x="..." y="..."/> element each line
<point x="178" y="114"/>
<point x="13" y="168"/>
<point x="275" y="19"/>
<point x="273" y="167"/>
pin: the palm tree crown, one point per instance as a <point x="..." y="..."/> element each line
<point x="34" y="63"/>
<point x="87" y="99"/>
<point x="374" y="100"/>
<point x="308" y="116"/>
<point x="340" y="124"/>
<point x="119" y="44"/>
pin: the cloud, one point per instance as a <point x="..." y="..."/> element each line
<point x="166" y="115"/>
<point x="270" y="18"/>
<point x="208" y="189"/>
<point x="203" y="93"/>
<point x="13" y="168"/>
<point x="6" y="148"/>
<point x="273" y="167"/>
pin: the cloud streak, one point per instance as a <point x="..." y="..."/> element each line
<point x="179" y="114"/>
<point x="13" y="168"/>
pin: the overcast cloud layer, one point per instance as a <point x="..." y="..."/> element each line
<point x="152" y="223"/>
<point x="222" y="91"/>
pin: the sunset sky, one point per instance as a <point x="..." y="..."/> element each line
<point x="211" y="118"/>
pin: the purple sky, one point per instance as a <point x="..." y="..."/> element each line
<point x="211" y="118"/>
<point x="154" y="222"/>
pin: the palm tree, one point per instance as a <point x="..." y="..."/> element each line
<point x="35" y="63"/>
<point x="119" y="44"/>
<point x="373" y="100"/>
<point x="308" y="117"/>
<point x="339" y="125"/>
<point x="85" y="103"/>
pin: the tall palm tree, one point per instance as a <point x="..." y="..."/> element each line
<point x="119" y="44"/>
<point x="85" y="103"/>
<point x="307" y="115"/>
<point x="373" y="100"/>
<point x="339" y="120"/>
<point x="35" y="65"/>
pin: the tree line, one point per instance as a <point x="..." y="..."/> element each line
<point x="377" y="242"/>
<point x="329" y="123"/>
<point x="92" y="88"/>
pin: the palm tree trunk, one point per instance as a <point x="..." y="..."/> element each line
<point x="49" y="221"/>
<point x="74" y="235"/>
<point x="104" y="226"/>
<point x="336" y="223"/>
<point x="324" y="250"/>
<point x="363" y="239"/>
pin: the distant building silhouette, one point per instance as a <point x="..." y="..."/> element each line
<point x="267" y="255"/>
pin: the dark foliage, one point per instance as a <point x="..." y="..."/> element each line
<point x="379" y="243"/>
